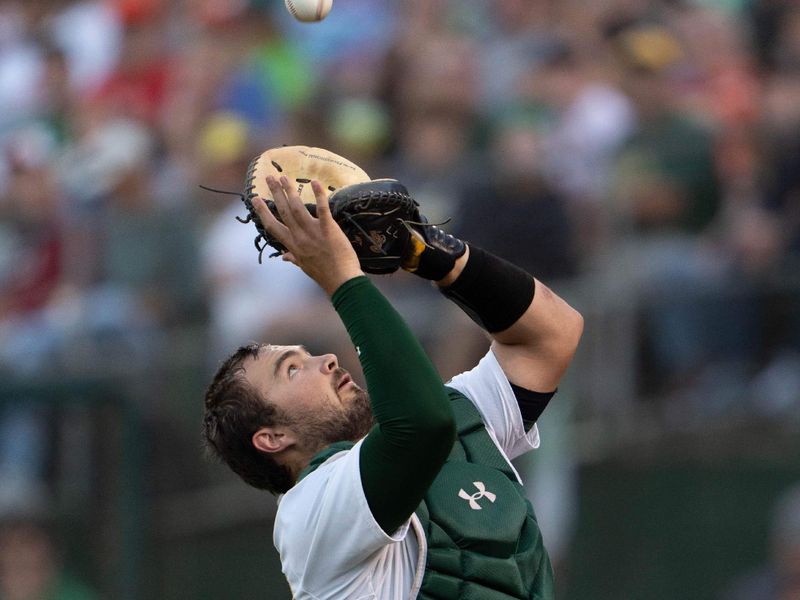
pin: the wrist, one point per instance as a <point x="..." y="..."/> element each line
<point x="342" y="290"/>
<point x="432" y="254"/>
<point x="454" y="273"/>
<point x="335" y="281"/>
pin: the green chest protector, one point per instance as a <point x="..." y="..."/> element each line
<point x="483" y="541"/>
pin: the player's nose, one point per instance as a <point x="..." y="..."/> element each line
<point x="329" y="363"/>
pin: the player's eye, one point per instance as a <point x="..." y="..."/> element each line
<point x="292" y="370"/>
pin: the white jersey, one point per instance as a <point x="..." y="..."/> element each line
<point x="330" y="545"/>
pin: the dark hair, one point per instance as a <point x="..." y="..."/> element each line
<point x="234" y="411"/>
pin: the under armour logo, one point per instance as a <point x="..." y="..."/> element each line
<point x="481" y="493"/>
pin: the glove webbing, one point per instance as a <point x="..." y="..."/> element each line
<point x="261" y="239"/>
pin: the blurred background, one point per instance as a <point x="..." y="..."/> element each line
<point x="642" y="157"/>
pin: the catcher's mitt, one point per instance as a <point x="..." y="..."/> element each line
<point x="374" y="214"/>
<point x="379" y="217"/>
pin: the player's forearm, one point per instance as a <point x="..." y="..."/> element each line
<point x="537" y="349"/>
<point x="454" y="273"/>
<point x="415" y="424"/>
<point x="535" y="332"/>
<point x="391" y="357"/>
<point x="548" y="321"/>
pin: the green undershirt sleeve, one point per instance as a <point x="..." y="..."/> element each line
<point x="415" y="427"/>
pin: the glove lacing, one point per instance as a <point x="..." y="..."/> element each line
<point x="260" y="240"/>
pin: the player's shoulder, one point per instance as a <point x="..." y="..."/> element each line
<point x="302" y="506"/>
<point x="309" y="522"/>
<point x="313" y="484"/>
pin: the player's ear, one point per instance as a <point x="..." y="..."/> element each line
<point x="272" y="439"/>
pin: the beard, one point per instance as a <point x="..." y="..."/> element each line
<point x="350" y="421"/>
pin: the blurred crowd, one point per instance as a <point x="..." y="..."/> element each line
<point x="553" y="133"/>
<point x="652" y="145"/>
<point x="644" y="153"/>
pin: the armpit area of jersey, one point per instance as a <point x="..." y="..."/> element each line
<point x="531" y="404"/>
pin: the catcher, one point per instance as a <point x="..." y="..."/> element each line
<point x="403" y="489"/>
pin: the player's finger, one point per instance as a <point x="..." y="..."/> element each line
<point x="289" y="257"/>
<point x="323" y="206"/>
<point x="274" y="227"/>
<point x="294" y="202"/>
<point x="281" y="202"/>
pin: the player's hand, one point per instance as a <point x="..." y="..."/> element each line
<point x="315" y="244"/>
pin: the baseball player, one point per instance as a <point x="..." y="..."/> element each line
<point x="404" y="489"/>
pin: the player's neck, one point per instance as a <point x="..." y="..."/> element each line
<point x="296" y="460"/>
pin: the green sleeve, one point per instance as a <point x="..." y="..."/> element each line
<point x="415" y="427"/>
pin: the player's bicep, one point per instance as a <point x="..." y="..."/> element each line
<point x="528" y="369"/>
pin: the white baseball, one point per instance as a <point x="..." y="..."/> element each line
<point x="309" y="11"/>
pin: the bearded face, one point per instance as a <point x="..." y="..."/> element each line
<point x="350" y="421"/>
<point x="317" y="399"/>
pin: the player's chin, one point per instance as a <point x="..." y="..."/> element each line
<point x="347" y="394"/>
<point x="359" y="413"/>
<point x="346" y="389"/>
